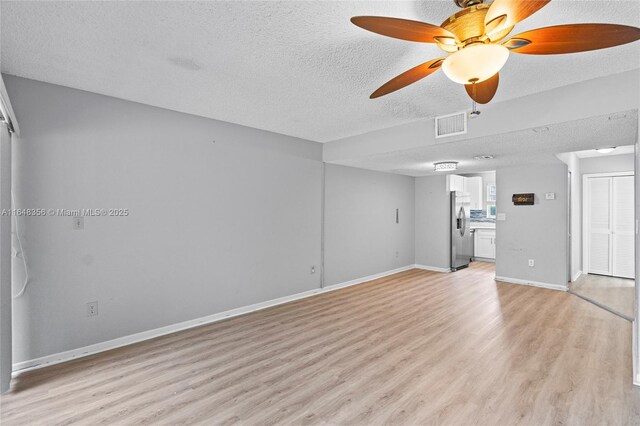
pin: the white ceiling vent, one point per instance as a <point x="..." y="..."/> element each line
<point x="452" y="124"/>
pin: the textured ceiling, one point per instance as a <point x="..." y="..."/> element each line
<point x="510" y="149"/>
<point x="298" y="67"/>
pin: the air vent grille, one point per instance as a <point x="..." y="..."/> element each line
<point x="452" y="124"/>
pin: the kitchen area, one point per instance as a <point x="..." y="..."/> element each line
<point x="473" y="212"/>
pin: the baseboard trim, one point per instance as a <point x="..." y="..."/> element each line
<point x="576" y="276"/>
<point x="431" y="268"/>
<point x="484" y="259"/>
<point x="532" y="283"/>
<point x="84" y="351"/>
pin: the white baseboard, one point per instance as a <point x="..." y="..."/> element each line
<point x="576" y="276"/>
<point x="431" y="268"/>
<point x="60" y="357"/>
<point x="532" y="283"/>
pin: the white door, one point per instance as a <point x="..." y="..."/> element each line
<point x="599" y="229"/>
<point x="611" y="226"/>
<point x="622" y="238"/>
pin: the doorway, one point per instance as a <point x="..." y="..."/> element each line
<point x="608" y="259"/>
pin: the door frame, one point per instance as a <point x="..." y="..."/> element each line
<point x="585" y="212"/>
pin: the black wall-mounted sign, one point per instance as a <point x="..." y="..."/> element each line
<point x="522" y="199"/>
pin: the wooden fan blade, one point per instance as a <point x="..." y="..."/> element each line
<point x="515" y="10"/>
<point x="403" y="29"/>
<point x="408" y="77"/>
<point x="485" y="90"/>
<point x="575" y="38"/>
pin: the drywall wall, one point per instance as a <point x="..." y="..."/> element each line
<point x="607" y="163"/>
<point x="220" y="216"/>
<point x="536" y="232"/>
<point x="573" y="165"/>
<point x="432" y="222"/>
<point x="362" y="237"/>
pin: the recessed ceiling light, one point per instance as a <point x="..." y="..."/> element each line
<point x="484" y="157"/>
<point x="605" y="150"/>
<point x="541" y="129"/>
<point x="444" y="166"/>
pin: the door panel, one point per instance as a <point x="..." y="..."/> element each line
<point x="600" y="225"/>
<point x="623" y="227"/>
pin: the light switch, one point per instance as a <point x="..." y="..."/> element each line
<point x="501" y="216"/>
<point x="550" y="196"/>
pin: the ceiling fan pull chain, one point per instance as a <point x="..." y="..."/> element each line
<point x="474" y="111"/>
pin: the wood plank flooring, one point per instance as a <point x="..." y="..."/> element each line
<point x="616" y="293"/>
<point x="414" y="348"/>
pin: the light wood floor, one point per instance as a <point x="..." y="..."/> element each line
<point x="615" y="293"/>
<point x="414" y="348"/>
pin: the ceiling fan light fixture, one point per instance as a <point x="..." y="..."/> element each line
<point x="475" y="63"/>
<point x="605" y="150"/>
<point x="445" y="166"/>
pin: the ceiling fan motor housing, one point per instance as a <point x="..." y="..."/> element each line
<point x="468" y="27"/>
<point x="467" y="3"/>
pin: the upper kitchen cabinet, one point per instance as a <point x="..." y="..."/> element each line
<point x="472" y="185"/>
<point x="456" y="183"/>
<point x="474" y="188"/>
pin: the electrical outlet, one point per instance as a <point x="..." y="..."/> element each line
<point x="92" y="309"/>
<point x="313" y="269"/>
<point x="78" y="223"/>
<point x="532" y="263"/>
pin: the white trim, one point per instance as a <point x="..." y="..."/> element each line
<point x="5" y="106"/>
<point x="532" y="283"/>
<point x="576" y="276"/>
<point x="431" y="268"/>
<point x="57" y="358"/>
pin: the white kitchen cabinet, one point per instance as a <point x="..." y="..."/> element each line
<point x="485" y="243"/>
<point x="473" y="185"/>
<point x="457" y="183"/>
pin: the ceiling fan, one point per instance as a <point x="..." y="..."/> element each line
<point x="474" y="36"/>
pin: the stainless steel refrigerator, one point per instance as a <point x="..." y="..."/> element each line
<point x="461" y="242"/>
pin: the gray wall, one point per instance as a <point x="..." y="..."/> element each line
<point x="432" y="221"/>
<point x="361" y="234"/>
<point x="536" y="232"/>
<point x="212" y="226"/>
<point x="607" y="163"/>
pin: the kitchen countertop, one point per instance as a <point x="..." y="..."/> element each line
<point x="482" y="225"/>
